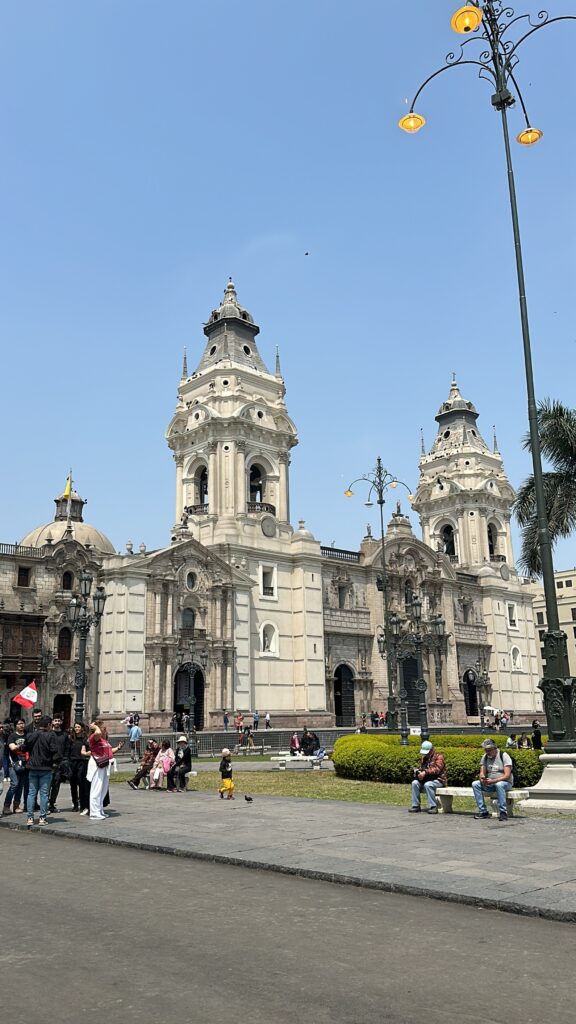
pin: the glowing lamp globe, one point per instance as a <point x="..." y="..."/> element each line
<point x="411" y="122"/>
<point x="529" y="136"/>
<point x="466" y="19"/>
<point x="348" y="493"/>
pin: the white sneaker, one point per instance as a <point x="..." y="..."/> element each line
<point x="85" y="812"/>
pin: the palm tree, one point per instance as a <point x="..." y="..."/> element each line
<point x="557" y="428"/>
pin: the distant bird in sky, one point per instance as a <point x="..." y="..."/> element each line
<point x="306" y="253"/>
<point x="248" y="799"/>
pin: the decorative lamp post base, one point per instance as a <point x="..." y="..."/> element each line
<point x="556" y="790"/>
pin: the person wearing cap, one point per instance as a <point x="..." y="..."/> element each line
<point x="430" y="776"/>
<point x="177" y="775"/>
<point x="227" y="785"/>
<point x="496" y="779"/>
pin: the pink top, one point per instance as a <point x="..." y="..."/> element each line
<point x="99" y="747"/>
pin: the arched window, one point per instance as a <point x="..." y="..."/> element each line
<point x="202" y="485"/>
<point x="188" y="618"/>
<point x="68" y="581"/>
<point x="492" y="539"/>
<point x="448" y="540"/>
<point x="257" y="483"/>
<point x="65" y="644"/>
<point x="269" y="639"/>
<point x="516" y="658"/>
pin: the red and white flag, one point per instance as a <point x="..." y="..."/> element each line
<point x="28" y="696"/>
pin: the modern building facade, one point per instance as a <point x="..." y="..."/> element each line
<point x="566" y="598"/>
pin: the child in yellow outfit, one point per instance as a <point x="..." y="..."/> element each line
<point x="226" y="773"/>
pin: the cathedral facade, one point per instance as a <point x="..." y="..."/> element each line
<point x="242" y="611"/>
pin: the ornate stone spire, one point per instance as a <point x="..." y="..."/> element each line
<point x="184" y="366"/>
<point x="278" y="369"/>
<point x="495" y="448"/>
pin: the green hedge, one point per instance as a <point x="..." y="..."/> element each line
<point x="441" y="739"/>
<point x="371" y="759"/>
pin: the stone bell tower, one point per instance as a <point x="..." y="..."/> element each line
<point x="464" y="496"/>
<point x="231" y="438"/>
<point x="231" y="435"/>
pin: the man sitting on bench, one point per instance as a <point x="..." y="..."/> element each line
<point x="430" y="776"/>
<point x="182" y="765"/>
<point x="495" y="778"/>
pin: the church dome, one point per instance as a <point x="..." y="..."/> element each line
<point x="68" y="521"/>
<point x="230" y="308"/>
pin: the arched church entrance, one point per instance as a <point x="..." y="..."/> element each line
<point x="409" y="676"/>
<point x="469" y="692"/>
<point x="189" y="692"/>
<point x="344" y="703"/>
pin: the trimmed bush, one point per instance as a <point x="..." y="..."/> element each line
<point x="369" y="758"/>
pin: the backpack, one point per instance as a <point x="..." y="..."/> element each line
<point x="484" y="763"/>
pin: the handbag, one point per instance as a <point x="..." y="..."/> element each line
<point x="102" y="762"/>
<point x="157" y="774"/>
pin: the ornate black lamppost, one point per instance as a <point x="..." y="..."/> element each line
<point x="188" y="663"/>
<point x="488" y="23"/>
<point x="483" y="687"/>
<point x="408" y="638"/>
<point x="379" y="480"/>
<point x="81" y="621"/>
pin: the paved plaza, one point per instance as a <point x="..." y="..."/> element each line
<point x="109" y="934"/>
<point x="526" y="865"/>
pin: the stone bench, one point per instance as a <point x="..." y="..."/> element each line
<point x="446" y="795"/>
<point x="286" y="761"/>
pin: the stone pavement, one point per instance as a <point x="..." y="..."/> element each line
<point x="526" y="865"/>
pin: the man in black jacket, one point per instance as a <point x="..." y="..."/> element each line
<point x="61" y="770"/>
<point x="182" y="764"/>
<point x="42" y="749"/>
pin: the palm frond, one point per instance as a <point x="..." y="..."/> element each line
<point x="557" y="430"/>
<point x="560" y="501"/>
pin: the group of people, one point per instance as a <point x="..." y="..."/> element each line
<point x="495" y="778"/>
<point x="159" y="761"/>
<point x="240" y="724"/>
<point x="39" y="757"/>
<point x="307" y="744"/>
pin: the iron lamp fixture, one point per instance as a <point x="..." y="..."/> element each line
<point x="492" y="24"/>
<point x="379" y="480"/>
<point x="85" y="584"/>
<point x="411" y="122"/>
<point x="417" y="609"/>
<point x="529" y="136"/>
<point x="466" y="19"/>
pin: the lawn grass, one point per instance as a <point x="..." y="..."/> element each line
<point x="312" y="785"/>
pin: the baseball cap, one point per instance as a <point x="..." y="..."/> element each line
<point x="225" y="751"/>
<point x="182" y="739"/>
<point x="426" y="747"/>
<point x="489" y="744"/>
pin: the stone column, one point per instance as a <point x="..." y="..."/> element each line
<point x="240" y="476"/>
<point x="282" y="510"/>
<point x="212" y="480"/>
<point x="179" y="460"/>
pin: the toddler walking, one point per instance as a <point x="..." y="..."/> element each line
<point x="227" y="785"/>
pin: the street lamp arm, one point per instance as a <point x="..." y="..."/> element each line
<point x="536" y="28"/>
<point x="456" y="64"/>
<point x="520" y="97"/>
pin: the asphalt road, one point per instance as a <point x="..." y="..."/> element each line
<point x="98" y="933"/>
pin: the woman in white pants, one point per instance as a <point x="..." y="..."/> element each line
<point x="99" y="767"/>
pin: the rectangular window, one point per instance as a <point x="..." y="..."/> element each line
<point x="268" y="580"/>
<point x="512" y="619"/>
<point x="559" y="584"/>
<point x="540" y="618"/>
<point x="574" y="631"/>
<point x="23" y="576"/>
<point x="541" y="635"/>
<point x="573" y="610"/>
<point x="568" y="583"/>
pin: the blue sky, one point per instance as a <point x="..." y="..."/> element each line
<point x="152" y="149"/>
